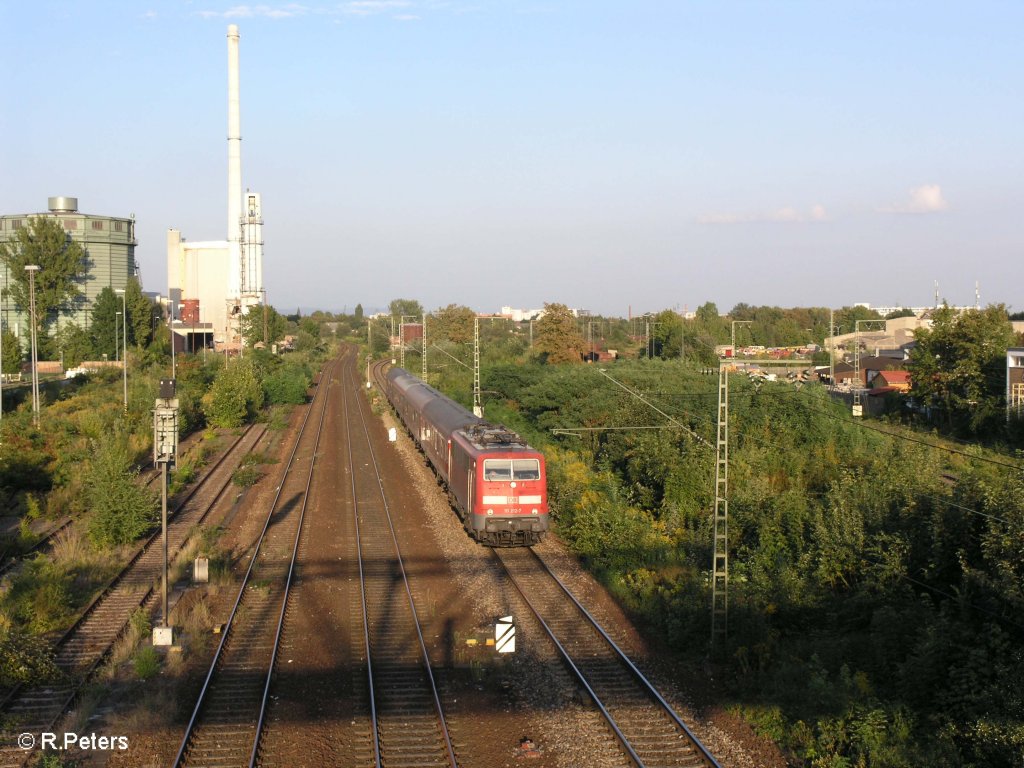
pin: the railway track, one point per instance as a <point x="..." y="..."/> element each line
<point x="83" y="647"/>
<point x="149" y="477"/>
<point x="227" y="721"/>
<point x="407" y="718"/>
<point x="649" y="731"/>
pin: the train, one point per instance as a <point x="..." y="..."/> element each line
<point x="495" y="481"/>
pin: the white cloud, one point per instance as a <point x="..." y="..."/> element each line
<point x="924" y="199"/>
<point x="787" y="215"/>
<point x="286" y="11"/>
<point x="372" y="7"/>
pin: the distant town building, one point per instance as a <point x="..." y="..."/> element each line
<point x="109" y="246"/>
<point x="520" y="315"/>
<point x="1015" y="381"/>
<point x="896" y="340"/>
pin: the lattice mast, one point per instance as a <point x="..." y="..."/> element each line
<point x="720" y="559"/>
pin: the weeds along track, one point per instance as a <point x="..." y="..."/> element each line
<point x="83" y="647"/>
<point x="406" y="716"/>
<point x="646" y="727"/>
<point x="227" y="720"/>
<point x="147" y="479"/>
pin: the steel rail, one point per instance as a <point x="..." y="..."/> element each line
<point x="648" y="687"/>
<point x="47" y="536"/>
<point x="82" y="677"/>
<point x="640" y="677"/>
<point x="241" y="592"/>
<point x="408" y="591"/>
<point x="288" y="581"/>
<point x="362" y="589"/>
<point x="140" y="550"/>
<point x="619" y="735"/>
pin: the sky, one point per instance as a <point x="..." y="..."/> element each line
<point x="608" y="155"/>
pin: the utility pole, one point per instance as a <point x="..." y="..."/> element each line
<point x="32" y="269"/>
<point x="682" y="335"/>
<point x="124" y="338"/>
<point x="266" y="323"/>
<point x="478" y="408"/>
<point x="424" y="355"/>
<point x="1" y="371"/>
<point x="720" y="558"/>
<point x="858" y="408"/>
<point x="734" y="324"/>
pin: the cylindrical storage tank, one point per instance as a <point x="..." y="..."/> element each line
<point x="190" y="311"/>
<point x="62" y="204"/>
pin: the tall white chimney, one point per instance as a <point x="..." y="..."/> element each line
<point x="234" y="168"/>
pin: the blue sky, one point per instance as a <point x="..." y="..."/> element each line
<point x="605" y="155"/>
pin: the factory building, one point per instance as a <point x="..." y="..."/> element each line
<point x="218" y="281"/>
<point x="109" y="246"/>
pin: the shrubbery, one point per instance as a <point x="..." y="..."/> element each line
<point x="122" y="510"/>
<point x="873" y="601"/>
<point x="235" y="395"/>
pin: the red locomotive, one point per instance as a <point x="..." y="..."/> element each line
<point x="495" y="481"/>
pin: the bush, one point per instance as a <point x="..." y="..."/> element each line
<point x="39" y="597"/>
<point x="25" y="659"/>
<point x="286" y="385"/>
<point x="235" y="397"/>
<point x="147" y="662"/>
<point x="246" y="476"/>
<point x="121" y="509"/>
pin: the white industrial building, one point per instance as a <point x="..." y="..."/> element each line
<point x="212" y="283"/>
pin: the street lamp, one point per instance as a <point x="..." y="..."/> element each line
<point x="124" y="337"/>
<point x="32" y="269"/>
<point x="170" y="333"/>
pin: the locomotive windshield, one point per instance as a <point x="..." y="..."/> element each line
<point x="511" y="469"/>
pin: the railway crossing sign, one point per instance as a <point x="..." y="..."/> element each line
<point x="505" y="635"/>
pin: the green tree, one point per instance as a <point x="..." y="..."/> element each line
<point x="358" y="314"/>
<point x="902" y="312"/>
<point x="143" y="314"/>
<point x="252" y="326"/>
<point x="666" y="334"/>
<point x="11" y="362"/>
<point x="847" y="317"/>
<point x="61" y="261"/>
<point x="379" y="334"/>
<point x="556" y="337"/>
<point x="105" y="327"/>
<point x="409" y="307"/>
<point x="122" y="510"/>
<point x="710" y="324"/>
<point x="74" y="344"/>
<point x="453" y="323"/>
<point x="958" y="366"/>
<point x="235" y="396"/>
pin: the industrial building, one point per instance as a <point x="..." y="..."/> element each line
<point x="212" y="283"/>
<point x="109" y="246"/>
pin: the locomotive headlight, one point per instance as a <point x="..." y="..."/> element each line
<point x="533" y="511"/>
<point x="490" y="511"/>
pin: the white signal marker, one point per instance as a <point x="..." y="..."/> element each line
<point x="505" y="635"/>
